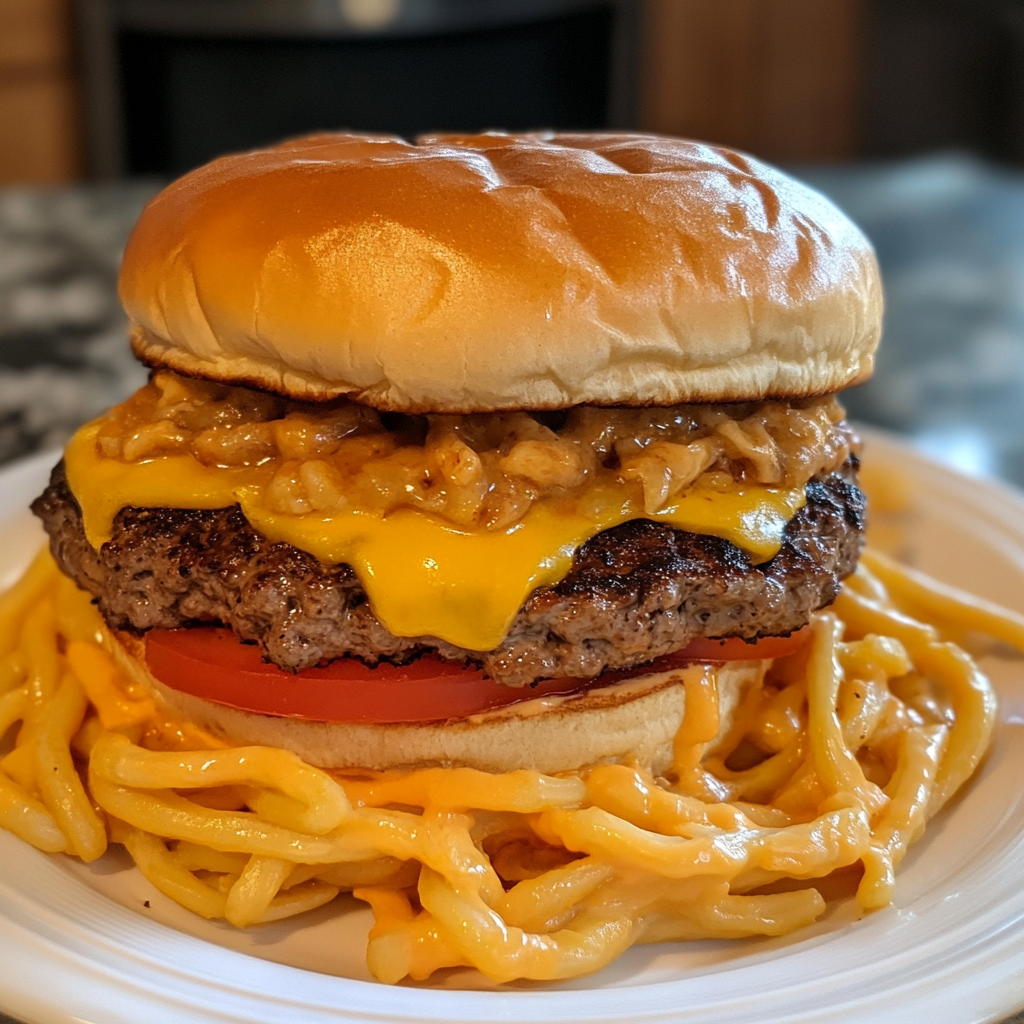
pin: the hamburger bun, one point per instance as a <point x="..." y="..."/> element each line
<point x="634" y="721"/>
<point x="480" y="273"/>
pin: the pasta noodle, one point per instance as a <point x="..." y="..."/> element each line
<point x="836" y="760"/>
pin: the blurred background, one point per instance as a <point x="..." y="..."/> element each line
<point x="909" y="113"/>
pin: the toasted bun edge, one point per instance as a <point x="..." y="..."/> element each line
<point x="480" y="273"/>
<point x="633" y="722"/>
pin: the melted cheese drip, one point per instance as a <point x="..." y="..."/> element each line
<point x="422" y="575"/>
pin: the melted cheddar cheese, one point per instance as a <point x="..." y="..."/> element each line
<point x="423" y="576"/>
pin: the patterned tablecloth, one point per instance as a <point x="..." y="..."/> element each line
<point x="949" y="231"/>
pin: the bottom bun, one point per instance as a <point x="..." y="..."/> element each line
<point x="634" y="721"/>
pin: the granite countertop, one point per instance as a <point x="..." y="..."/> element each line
<point x="63" y="350"/>
<point x="949" y="231"/>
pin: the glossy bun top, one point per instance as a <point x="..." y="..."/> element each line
<point x="484" y="272"/>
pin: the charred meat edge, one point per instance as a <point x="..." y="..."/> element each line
<point x="635" y="592"/>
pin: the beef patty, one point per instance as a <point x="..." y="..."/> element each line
<point x="635" y="592"/>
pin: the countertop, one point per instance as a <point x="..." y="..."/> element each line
<point x="949" y="232"/>
<point x="948" y="229"/>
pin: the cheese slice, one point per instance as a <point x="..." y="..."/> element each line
<point x="423" y="576"/>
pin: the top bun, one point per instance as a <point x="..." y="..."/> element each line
<point x="473" y="273"/>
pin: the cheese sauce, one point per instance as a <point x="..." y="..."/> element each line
<point x="423" y="576"/>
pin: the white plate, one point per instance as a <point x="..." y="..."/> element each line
<point x="80" y="944"/>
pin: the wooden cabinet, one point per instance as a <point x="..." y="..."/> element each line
<point x="40" y="139"/>
<point x="791" y="80"/>
<point x="780" y="78"/>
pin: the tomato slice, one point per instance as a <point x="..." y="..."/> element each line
<point x="211" y="663"/>
<point x="735" y="648"/>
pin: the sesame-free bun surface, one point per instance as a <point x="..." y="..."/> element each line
<point x="486" y="272"/>
<point x="634" y="721"/>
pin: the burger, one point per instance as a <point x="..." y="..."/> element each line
<point x="454" y="452"/>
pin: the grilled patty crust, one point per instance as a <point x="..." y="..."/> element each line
<point x="635" y="592"/>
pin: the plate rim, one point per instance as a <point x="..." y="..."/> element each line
<point x="68" y="948"/>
